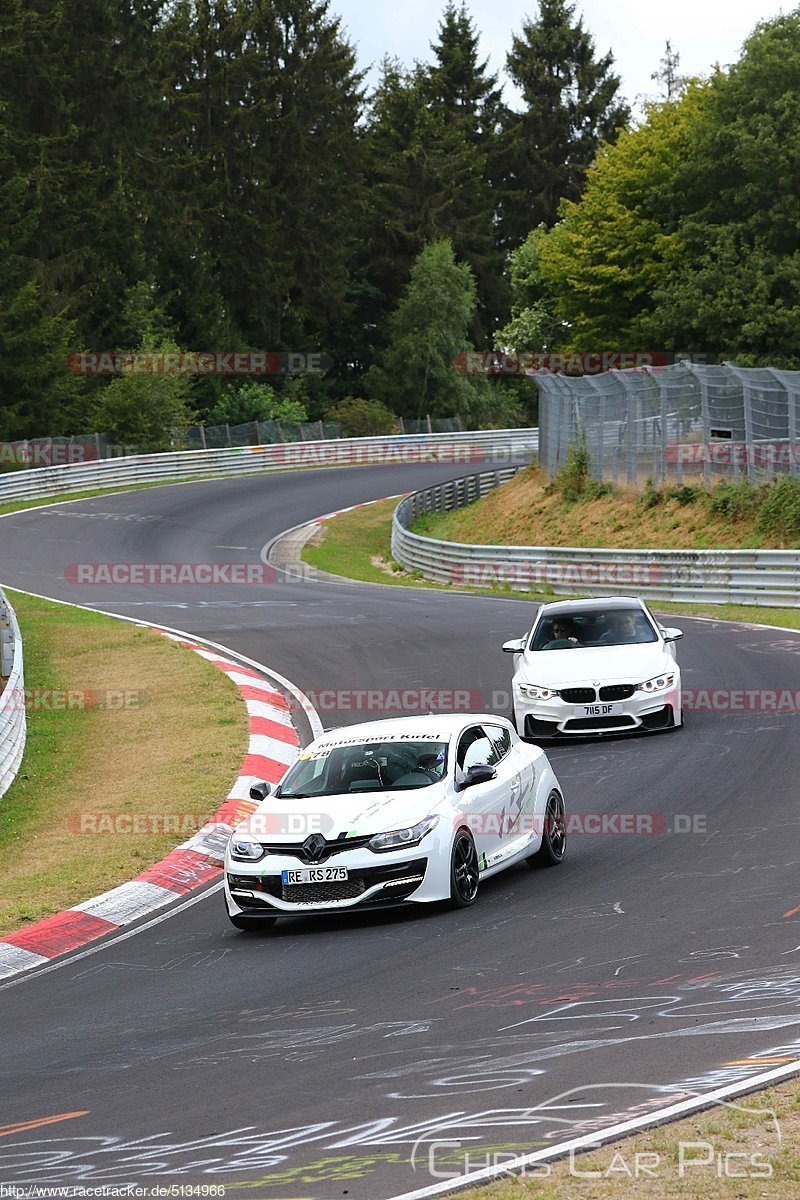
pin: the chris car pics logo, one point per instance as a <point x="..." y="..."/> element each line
<point x="454" y="1150"/>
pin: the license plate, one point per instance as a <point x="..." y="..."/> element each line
<point x="315" y="875"/>
<point x="598" y="710"/>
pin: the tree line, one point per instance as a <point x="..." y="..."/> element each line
<point x="215" y="175"/>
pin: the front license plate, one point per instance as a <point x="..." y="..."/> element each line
<point x="315" y="875"/>
<point x="598" y="710"/>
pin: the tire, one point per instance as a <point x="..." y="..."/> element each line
<point x="464" y="871"/>
<point x="554" y="838"/>
<point x="252" y="924"/>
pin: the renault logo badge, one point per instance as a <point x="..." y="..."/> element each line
<point x="314" y="846"/>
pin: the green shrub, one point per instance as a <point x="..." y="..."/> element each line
<point x="595" y="489"/>
<point x="651" y="497"/>
<point x="734" y="501"/>
<point x="571" y="480"/>
<point x="253" y="401"/>
<point x="779" y="509"/>
<point x="684" y="493"/>
<point x="362" y="418"/>
<point x="495" y="409"/>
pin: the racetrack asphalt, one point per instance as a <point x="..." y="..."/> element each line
<point x="319" y="1059"/>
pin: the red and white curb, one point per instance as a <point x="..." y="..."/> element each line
<point x="274" y="746"/>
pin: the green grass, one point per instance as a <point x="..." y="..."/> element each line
<point x="358" y="548"/>
<point x="170" y="752"/>
<point x="55" y="740"/>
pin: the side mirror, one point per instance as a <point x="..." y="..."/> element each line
<point x="260" y="791"/>
<point x="516" y="646"/>
<point x="672" y="635"/>
<point x="480" y="773"/>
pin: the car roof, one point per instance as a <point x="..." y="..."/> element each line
<point x="435" y="727"/>
<point x="563" y="608"/>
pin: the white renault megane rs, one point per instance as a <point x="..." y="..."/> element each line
<point x="595" y="667"/>
<point x="410" y="810"/>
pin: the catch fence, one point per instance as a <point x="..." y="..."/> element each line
<point x="685" y="422"/>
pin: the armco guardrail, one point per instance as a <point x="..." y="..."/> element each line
<point x="153" y="468"/>
<point x="12" y="699"/>
<point x="766" y="577"/>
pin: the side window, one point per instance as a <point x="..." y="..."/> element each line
<point x="500" y="737"/>
<point x="474" y="747"/>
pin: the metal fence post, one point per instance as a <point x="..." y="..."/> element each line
<point x="706" y="419"/>
<point x="630" y="431"/>
<point x="662" y="465"/>
<point x="602" y="425"/>
<point x="792" y="398"/>
<point x="749" y="446"/>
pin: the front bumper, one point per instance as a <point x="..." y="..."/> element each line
<point x="556" y="717"/>
<point x="376" y="881"/>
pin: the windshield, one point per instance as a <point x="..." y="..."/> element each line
<point x="597" y="627"/>
<point x="367" y="766"/>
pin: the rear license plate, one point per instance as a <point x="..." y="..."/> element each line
<point x="598" y="710"/>
<point x="315" y="875"/>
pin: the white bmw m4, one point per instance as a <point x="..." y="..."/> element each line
<point x="601" y="666"/>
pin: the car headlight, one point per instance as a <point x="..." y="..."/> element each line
<point x="398" y="838"/>
<point x="532" y="691"/>
<point x="659" y="684"/>
<point x="245" y="849"/>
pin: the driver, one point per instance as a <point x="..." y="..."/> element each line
<point x="621" y="629"/>
<point x="563" y="635"/>
<point x="432" y="764"/>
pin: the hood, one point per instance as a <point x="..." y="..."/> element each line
<point x="362" y="813"/>
<point x="608" y="664"/>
